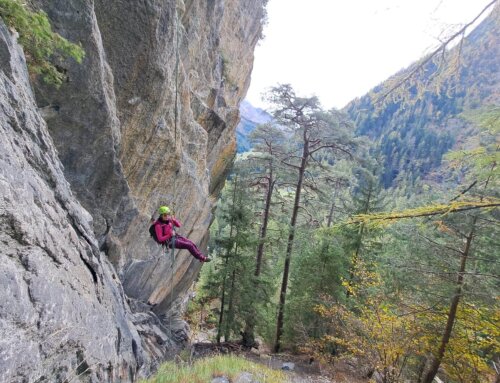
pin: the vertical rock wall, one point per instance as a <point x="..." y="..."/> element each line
<point x="147" y="119"/>
<point x="62" y="309"/>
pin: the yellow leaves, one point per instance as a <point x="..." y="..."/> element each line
<point x="336" y="312"/>
<point x="392" y="335"/>
<point x="362" y="277"/>
<point x="349" y="287"/>
<point x="441" y="226"/>
<point x="321" y="310"/>
<point x="474" y="341"/>
<point x="375" y="332"/>
<point x="387" y="336"/>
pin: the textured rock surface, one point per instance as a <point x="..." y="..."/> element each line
<point x="92" y="291"/>
<point x="62" y="308"/>
<point x="114" y="121"/>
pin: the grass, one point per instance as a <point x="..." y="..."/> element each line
<point x="204" y="370"/>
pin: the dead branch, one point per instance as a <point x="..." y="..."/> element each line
<point x="440" y="49"/>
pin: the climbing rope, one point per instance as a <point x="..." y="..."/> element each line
<point x="176" y="119"/>
<point x="176" y="106"/>
<point x="176" y="113"/>
<point x="172" y="253"/>
<point x="172" y="259"/>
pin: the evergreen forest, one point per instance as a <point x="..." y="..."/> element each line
<point x="370" y="233"/>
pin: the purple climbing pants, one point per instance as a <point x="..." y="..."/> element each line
<point x="186" y="244"/>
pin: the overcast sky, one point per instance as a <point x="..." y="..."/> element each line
<point x="340" y="49"/>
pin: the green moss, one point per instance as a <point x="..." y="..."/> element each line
<point x="41" y="45"/>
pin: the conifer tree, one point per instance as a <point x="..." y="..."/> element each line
<point x="267" y="140"/>
<point x="312" y="131"/>
<point x="480" y="166"/>
<point x="234" y="239"/>
<point x="367" y="198"/>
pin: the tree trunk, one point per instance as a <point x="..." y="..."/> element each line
<point x="265" y="221"/>
<point x="330" y="215"/>
<point x="230" y="309"/>
<point x="332" y="207"/>
<point x="432" y="370"/>
<point x="221" y="314"/>
<point x="291" y="235"/>
<point x="223" y="294"/>
<point x="248" y="336"/>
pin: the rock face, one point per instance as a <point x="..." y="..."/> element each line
<point x="62" y="309"/>
<point x="147" y="119"/>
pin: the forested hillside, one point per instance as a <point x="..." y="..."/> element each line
<point x="316" y="250"/>
<point x="411" y="133"/>
<point x="313" y="256"/>
<point x="414" y="131"/>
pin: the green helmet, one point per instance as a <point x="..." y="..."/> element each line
<point x="163" y="210"/>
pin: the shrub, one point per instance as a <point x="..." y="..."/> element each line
<point x="41" y="45"/>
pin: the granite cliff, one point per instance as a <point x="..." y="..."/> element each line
<point x="147" y="119"/>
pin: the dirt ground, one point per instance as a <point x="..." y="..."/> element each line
<point x="307" y="371"/>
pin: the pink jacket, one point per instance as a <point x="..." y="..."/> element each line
<point x="164" y="230"/>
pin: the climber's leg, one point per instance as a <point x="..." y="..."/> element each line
<point x="184" y="243"/>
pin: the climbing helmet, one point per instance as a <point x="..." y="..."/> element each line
<point x="163" y="210"/>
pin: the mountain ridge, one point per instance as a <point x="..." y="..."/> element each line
<point x="250" y="117"/>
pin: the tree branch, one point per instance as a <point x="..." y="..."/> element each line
<point x="441" y="48"/>
<point x="291" y="165"/>
<point x="441" y="245"/>
<point x="415" y="213"/>
<point x="464" y="191"/>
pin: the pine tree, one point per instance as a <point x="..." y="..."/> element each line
<point x="312" y="131"/>
<point x="234" y="239"/>
<point x="361" y="240"/>
<point x="267" y="140"/>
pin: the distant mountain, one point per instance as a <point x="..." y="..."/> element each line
<point x="414" y="133"/>
<point x="250" y="118"/>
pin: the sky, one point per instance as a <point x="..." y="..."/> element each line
<point x="340" y="49"/>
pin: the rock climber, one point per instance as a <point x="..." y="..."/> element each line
<point x="165" y="229"/>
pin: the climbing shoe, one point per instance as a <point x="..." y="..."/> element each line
<point x="207" y="259"/>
